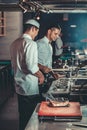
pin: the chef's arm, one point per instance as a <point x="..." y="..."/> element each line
<point x="44" y="69"/>
<point x="40" y="77"/>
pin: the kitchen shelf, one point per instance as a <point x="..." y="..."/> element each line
<point x="2" y="24"/>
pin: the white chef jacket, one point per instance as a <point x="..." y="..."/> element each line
<point x="44" y="52"/>
<point x="24" y="59"/>
<point x="58" y="46"/>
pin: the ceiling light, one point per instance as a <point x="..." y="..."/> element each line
<point x="73" y="26"/>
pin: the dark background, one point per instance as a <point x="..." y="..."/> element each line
<point x="73" y="36"/>
<point x="9" y="1"/>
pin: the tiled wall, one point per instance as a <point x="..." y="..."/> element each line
<point x="14" y="27"/>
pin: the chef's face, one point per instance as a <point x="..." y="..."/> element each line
<point x="54" y="34"/>
<point x="35" y="32"/>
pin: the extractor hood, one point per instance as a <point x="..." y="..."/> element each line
<point x="44" y="5"/>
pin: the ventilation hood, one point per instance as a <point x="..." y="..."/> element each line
<point x="52" y="5"/>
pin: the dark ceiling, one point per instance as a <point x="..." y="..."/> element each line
<point x="64" y="3"/>
<point x="66" y="13"/>
<point x="54" y="5"/>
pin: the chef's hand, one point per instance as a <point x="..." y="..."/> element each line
<point x="60" y="76"/>
<point x="40" y="77"/>
<point x="56" y="76"/>
<point x="46" y="69"/>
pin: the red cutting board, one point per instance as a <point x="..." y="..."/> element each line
<point x="73" y="110"/>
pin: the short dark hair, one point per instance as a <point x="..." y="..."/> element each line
<point x="52" y="27"/>
<point x="28" y="27"/>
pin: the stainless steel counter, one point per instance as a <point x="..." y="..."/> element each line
<point x="35" y="124"/>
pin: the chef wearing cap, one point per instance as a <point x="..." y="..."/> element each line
<point x="24" y="58"/>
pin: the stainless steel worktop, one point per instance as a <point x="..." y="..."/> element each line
<point x="35" y="124"/>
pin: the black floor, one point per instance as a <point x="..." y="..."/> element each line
<point x="9" y="115"/>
